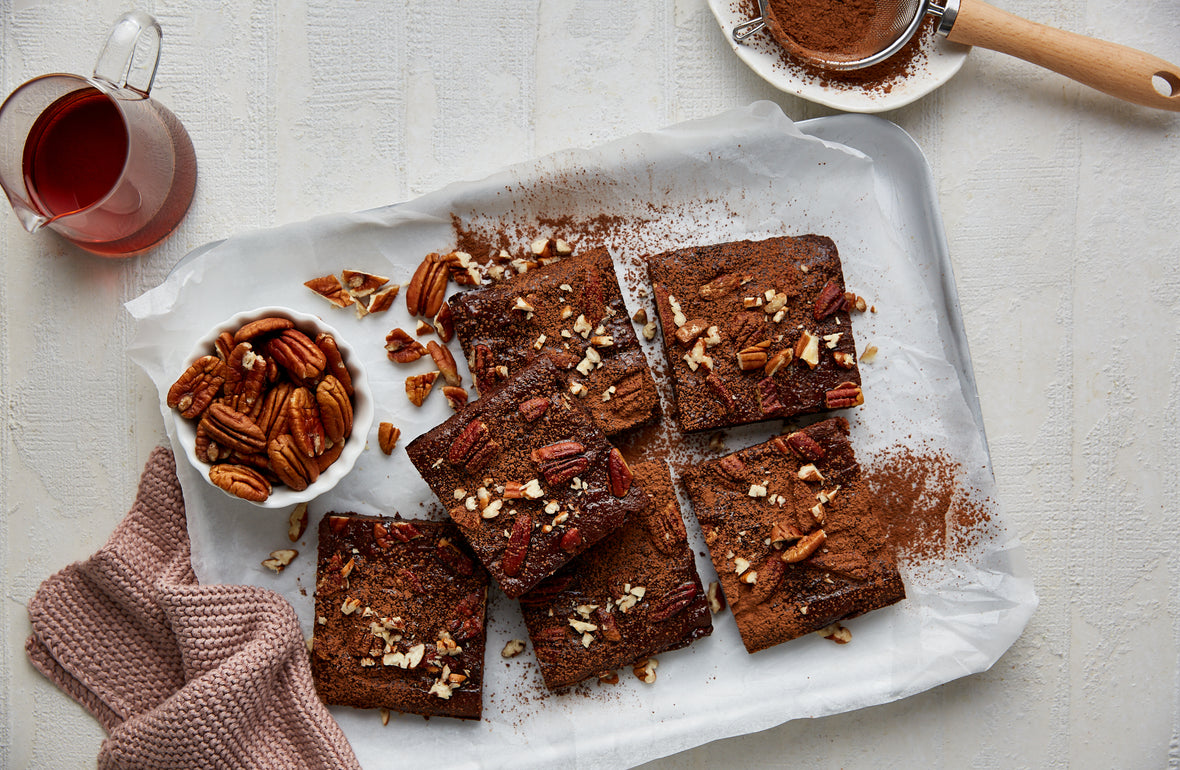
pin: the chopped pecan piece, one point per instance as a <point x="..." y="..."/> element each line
<point x="753" y="357"/>
<point x="444" y="324"/>
<point x="329" y="288"/>
<point x="720" y="286"/>
<point x="418" y="387"/>
<point x="445" y="363"/>
<point x="806" y="546"/>
<point x="361" y="284"/>
<point x="456" y="396"/>
<point x="387" y="436"/>
<point x="401" y="348"/>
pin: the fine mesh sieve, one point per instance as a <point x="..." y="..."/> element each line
<point x="1109" y="67"/>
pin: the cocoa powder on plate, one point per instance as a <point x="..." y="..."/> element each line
<point x="828" y="26"/>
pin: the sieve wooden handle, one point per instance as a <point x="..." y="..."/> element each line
<point x="1111" y="68"/>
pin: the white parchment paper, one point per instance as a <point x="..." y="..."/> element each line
<point x="746" y="173"/>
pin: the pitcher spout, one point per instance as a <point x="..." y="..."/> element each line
<point x="30" y="219"/>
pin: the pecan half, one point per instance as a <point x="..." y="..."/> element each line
<point x="619" y="472"/>
<point x="721" y="392"/>
<point x="556" y="451"/>
<point x="445" y="363"/>
<point x="769" y="402"/>
<point x="240" y="481"/>
<point x="770" y="574"/>
<point x="336" y="367"/>
<point x="753" y="357"/>
<point x="666" y="529"/>
<point x="560" y="471"/>
<point x="733" y="467"/>
<point x="224" y="345"/>
<point x="518" y="545"/>
<point x="805" y="446"/>
<point x="483" y="368"/>
<point x="844" y="395"/>
<point x="428" y="286"/>
<point x="402" y="348"/>
<point x="688" y="333"/>
<point x="418" y="387"/>
<point x="468" y="620"/>
<point x="533" y="408"/>
<point x="719" y="287"/>
<point x="232" y="430"/>
<point x="297" y="354"/>
<point x="778" y="361"/>
<point x="330" y="455"/>
<point x="269" y="325"/>
<point x="470" y="442"/>
<point x="335" y="408"/>
<point x="450" y="555"/>
<point x="303" y="422"/>
<point x="192" y="393"/>
<point x="292" y="466"/>
<point x="571" y="540"/>
<point x="829" y="302"/>
<point x="806" y="546"/>
<point x="673" y="602"/>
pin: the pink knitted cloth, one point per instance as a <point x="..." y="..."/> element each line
<point x="180" y="674"/>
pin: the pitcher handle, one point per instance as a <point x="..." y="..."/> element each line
<point x="131" y="54"/>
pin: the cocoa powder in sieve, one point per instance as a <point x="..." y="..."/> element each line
<point x="829" y="26"/>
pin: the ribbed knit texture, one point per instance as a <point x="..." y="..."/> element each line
<point x="180" y="675"/>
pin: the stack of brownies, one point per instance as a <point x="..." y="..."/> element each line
<point x="590" y="541"/>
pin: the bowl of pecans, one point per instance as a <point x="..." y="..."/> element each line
<point x="273" y="407"/>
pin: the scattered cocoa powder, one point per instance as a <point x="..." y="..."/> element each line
<point x="927" y="510"/>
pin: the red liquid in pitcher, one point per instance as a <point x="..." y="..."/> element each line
<point x="75" y="152"/>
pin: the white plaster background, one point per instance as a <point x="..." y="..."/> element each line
<point x="1060" y="207"/>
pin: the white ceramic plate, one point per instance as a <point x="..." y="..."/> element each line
<point x="362" y="407"/>
<point x="764" y="56"/>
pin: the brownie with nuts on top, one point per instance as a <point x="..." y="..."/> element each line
<point x="573" y="312"/>
<point x="793" y="533"/>
<point x="756" y="330"/>
<point x="399" y="617"/>
<point x="635" y="594"/>
<point x="528" y="476"/>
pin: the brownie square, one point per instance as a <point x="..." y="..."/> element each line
<point x="793" y="534"/>
<point x="755" y="330"/>
<point x="573" y="312"/>
<point x="528" y="476"/>
<point x="399" y="617"/>
<point x="635" y="594"/>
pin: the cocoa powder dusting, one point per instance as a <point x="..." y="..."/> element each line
<point x="927" y="511"/>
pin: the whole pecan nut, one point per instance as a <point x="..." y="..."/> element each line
<point x="666" y="529"/>
<point x="336" y="366"/>
<point x="240" y="481"/>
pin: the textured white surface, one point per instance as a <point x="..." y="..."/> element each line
<point x="1059" y="205"/>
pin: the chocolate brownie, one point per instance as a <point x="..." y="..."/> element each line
<point x="573" y="312"/>
<point x="755" y="330"/>
<point x="792" y="531"/>
<point x="633" y="595"/>
<point x="528" y="477"/>
<point x="399" y="617"/>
